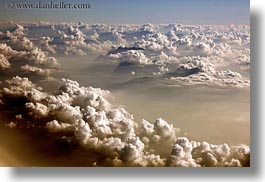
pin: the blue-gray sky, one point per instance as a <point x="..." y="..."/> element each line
<point x="138" y="11"/>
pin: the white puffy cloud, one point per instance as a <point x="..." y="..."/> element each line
<point x="220" y="78"/>
<point x="162" y="43"/>
<point x="7" y="51"/>
<point x="132" y="56"/>
<point x="163" y="59"/>
<point x="22" y="87"/>
<point x="34" y="61"/>
<point x="84" y="115"/>
<point x="33" y="69"/>
<point x="55" y="126"/>
<point x="182" y="55"/>
<point x="244" y="61"/>
<point x="37" y="56"/>
<point x="17" y="45"/>
<point x="18" y="40"/>
<point x="194" y="154"/>
<point x="73" y="40"/>
<point x="202" y="70"/>
<point x="44" y="44"/>
<point x="4" y="63"/>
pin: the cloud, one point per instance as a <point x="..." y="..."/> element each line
<point x="44" y="44"/>
<point x="73" y="40"/>
<point x="22" y="87"/>
<point x="37" y="56"/>
<point x="202" y="154"/>
<point x="85" y="116"/>
<point x="163" y="43"/>
<point x="34" y="61"/>
<point x="132" y="56"/>
<point x="205" y="74"/>
<point x="21" y="56"/>
<point x="7" y="51"/>
<point x="156" y="42"/>
<point x="18" y="40"/>
<point x="4" y="63"/>
<point x="244" y="61"/>
<point x="162" y="59"/>
<point x="32" y="69"/>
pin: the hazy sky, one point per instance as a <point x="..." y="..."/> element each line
<point x="138" y="11"/>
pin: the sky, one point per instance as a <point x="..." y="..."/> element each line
<point x="137" y="12"/>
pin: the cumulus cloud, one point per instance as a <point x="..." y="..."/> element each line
<point x="22" y="87"/>
<point x="4" y="63"/>
<point x="177" y="54"/>
<point x="162" y="59"/>
<point x="39" y="57"/>
<point x="45" y="44"/>
<point x="16" y="44"/>
<point x="85" y="116"/>
<point x="201" y="70"/>
<point x="202" y="154"/>
<point x="132" y="56"/>
<point x="32" y="69"/>
<point x="244" y="61"/>
<point x="155" y="42"/>
<point x="7" y="51"/>
<point x="162" y="43"/>
<point x="34" y="61"/>
<point x="18" y="40"/>
<point x="73" y="40"/>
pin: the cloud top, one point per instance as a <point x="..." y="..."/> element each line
<point x="84" y="115"/>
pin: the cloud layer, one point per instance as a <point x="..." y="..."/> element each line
<point x="84" y="116"/>
<point x="20" y="55"/>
